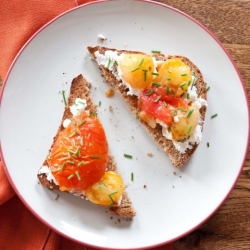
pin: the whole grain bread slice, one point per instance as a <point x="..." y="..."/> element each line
<point x="80" y="88"/>
<point x="177" y="158"/>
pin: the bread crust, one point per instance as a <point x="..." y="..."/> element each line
<point x="80" y="88"/>
<point x="178" y="159"/>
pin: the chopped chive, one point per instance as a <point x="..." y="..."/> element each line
<point x="190" y="112"/>
<point x="137" y="116"/>
<point x="100" y="103"/>
<point x="57" y="197"/>
<point x="63" y="166"/>
<point x="182" y="109"/>
<point x="155" y="73"/>
<point x="64" y="98"/>
<point x="81" y="141"/>
<point x="132" y="176"/>
<point x="81" y="123"/>
<point x="78" y="152"/>
<point x="183" y="74"/>
<point x="104" y="184"/>
<point x="169" y="72"/>
<point x="71" y="135"/>
<point x="189" y="82"/>
<point x="167" y="90"/>
<point x="70" y="176"/>
<point x="77" y="132"/>
<point x="149" y="92"/>
<point x="71" y="162"/>
<point x="208" y="144"/>
<point x="71" y="151"/>
<point x="158" y="98"/>
<point x="173" y="92"/>
<point x="80" y="163"/>
<point x="175" y="112"/>
<point x="95" y="156"/>
<point x="93" y="113"/>
<point x="128" y="156"/>
<point x="116" y="63"/>
<point x="135" y="69"/>
<point x="189" y="130"/>
<point x="188" y="96"/>
<point x="156" y="84"/>
<point x="141" y="62"/>
<point x="156" y="51"/>
<point x="165" y="104"/>
<point x="169" y="79"/>
<point x="213" y="116"/>
<point x="145" y="74"/>
<point x="208" y="88"/>
<point x="78" y="175"/>
<point x="182" y="85"/>
<point x="109" y="62"/>
<point x="112" y="201"/>
<point x="83" y="103"/>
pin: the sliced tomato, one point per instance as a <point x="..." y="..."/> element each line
<point x="79" y="155"/>
<point x="159" y="103"/>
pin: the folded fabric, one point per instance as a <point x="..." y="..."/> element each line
<point x="20" y="229"/>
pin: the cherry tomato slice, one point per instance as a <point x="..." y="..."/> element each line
<point x="79" y="155"/>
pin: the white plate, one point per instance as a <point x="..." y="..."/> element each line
<point x="31" y="108"/>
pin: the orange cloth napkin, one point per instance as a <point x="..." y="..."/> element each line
<point x="19" y="228"/>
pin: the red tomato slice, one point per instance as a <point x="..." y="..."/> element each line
<point x="160" y="104"/>
<point x="79" y="155"/>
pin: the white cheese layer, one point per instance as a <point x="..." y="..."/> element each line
<point x="50" y="177"/>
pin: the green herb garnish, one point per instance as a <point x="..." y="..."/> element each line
<point x="182" y="85"/>
<point x="149" y="92"/>
<point x="109" y="62"/>
<point x="167" y="90"/>
<point x="70" y="176"/>
<point x="158" y="98"/>
<point x="190" y="112"/>
<point x="189" y="130"/>
<point x="128" y="156"/>
<point x="78" y="175"/>
<point x="155" y="73"/>
<point x="145" y="74"/>
<point x="64" y="98"/>
<point x="112" y="201"/>
<point x="141" y="62"/>
<point x="183" y="74"/>
<point x="132" y="176"/>
<point x="156" y="51"/>
<point x="80" y="163"/>
<point x="208" y="144"/>
<point x="156" y="84"/>
<point x="213" y="116"/>
<point x="81" y="123"/>
<point x="135" y="69"/>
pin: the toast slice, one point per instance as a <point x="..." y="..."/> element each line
<point x="80" y="88"/>
<point x="178" y="158"/>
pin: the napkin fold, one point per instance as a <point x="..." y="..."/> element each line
<point x="19" y="228"/>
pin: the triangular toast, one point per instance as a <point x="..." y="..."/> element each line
<point x="178" y="158"/>
<point x="80" y="88"/>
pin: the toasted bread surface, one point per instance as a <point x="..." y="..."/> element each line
<point x="80" y="88"/>
<point x="178" y="159"/>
